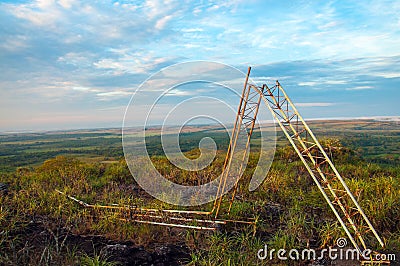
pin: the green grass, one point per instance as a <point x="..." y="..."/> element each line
<point x="289" y="209"/>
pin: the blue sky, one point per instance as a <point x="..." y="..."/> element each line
<point x="74" y="64"/>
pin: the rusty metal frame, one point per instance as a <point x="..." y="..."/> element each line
<point x="245" y="120"/>
<point x="320" y="167"/>
<point x="157" y="216"/>
<point x="330" y="183"/>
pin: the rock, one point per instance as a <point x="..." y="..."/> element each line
<point x="3" y="189"/>
<point x="115" y="248"/>
<point x="162" y="250"/>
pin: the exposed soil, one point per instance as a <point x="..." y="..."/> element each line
<point x="126" y="253"/>
<point x="38" y="234"/>
<point x="123" y="253"/>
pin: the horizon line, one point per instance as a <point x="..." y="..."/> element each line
<point x="395" y="118"/>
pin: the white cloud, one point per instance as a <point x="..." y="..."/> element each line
<point x="177" y="92"/>
<point x="358" y="88"/>
<point x="331" y="24"/>
<point x="66" y="3"/>
<point x="162" y="22"/>
<point x="15" y="43"/>
<point x="336" y="82"/>
<point x="317" y="104"/>
<point x="308" y="83"/>
<point x="153" y="8"/>
<point x="192" y="30"/>
<point x="111" y="95"/>
<point x="76" y="59"/>
<point x="157" y="9"/>
<point x="321" y="82"/>
<point x="129" y="6"/>
<point x="127" y="62"/>
<point x="85" y="89"/>
<point x="39" y="13"/>
<point x="67" y="50"/>
<point x="387" y="75"/>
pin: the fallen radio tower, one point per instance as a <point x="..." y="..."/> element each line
<point x="330" y="183"/>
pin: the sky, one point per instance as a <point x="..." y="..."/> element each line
<point x="75" y="64"/>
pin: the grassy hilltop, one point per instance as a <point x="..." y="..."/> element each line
<point x="41" y="227"/>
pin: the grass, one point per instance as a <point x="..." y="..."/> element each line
<point x="38" y="225"/>
<point x="96" y="260"/>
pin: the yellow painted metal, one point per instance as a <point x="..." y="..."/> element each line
<point x="159" y="216"/>
<point x="319" y="166"/>
<point x="340" y="199"/>
<point x="232" y="144"/>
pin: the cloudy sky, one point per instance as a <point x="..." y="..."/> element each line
<point x="75" y="64"/>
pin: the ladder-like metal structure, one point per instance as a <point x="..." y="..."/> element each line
<point x="199" y="219"/>
<point x="320" y="167"/>
<point x="245" y="120"/>
<point x="330" y="183"/>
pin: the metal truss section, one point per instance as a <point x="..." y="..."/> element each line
<point x="330" y="183"/>
<point x="245" y="120"/>
<point x="197" y="220"/>
<point x="325" y="175"/>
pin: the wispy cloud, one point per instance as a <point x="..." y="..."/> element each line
<point x="131" y="63"/>
<point x="110" y="95"/>
<point x="15" y="43"/>
<point x="358" y="88"/>
<point x="39" y="13"/>
<point x="88" y="55"/>
<point x="308" y="83"/>
<point x="314" y="104"/>
<point x="85" y="89"/>
<point x="388" y="74"/>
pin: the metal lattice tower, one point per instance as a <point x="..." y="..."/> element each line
<point x="245" y="120"/>
<point x="320" y="167"/>
<point x="330" y="183"/>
